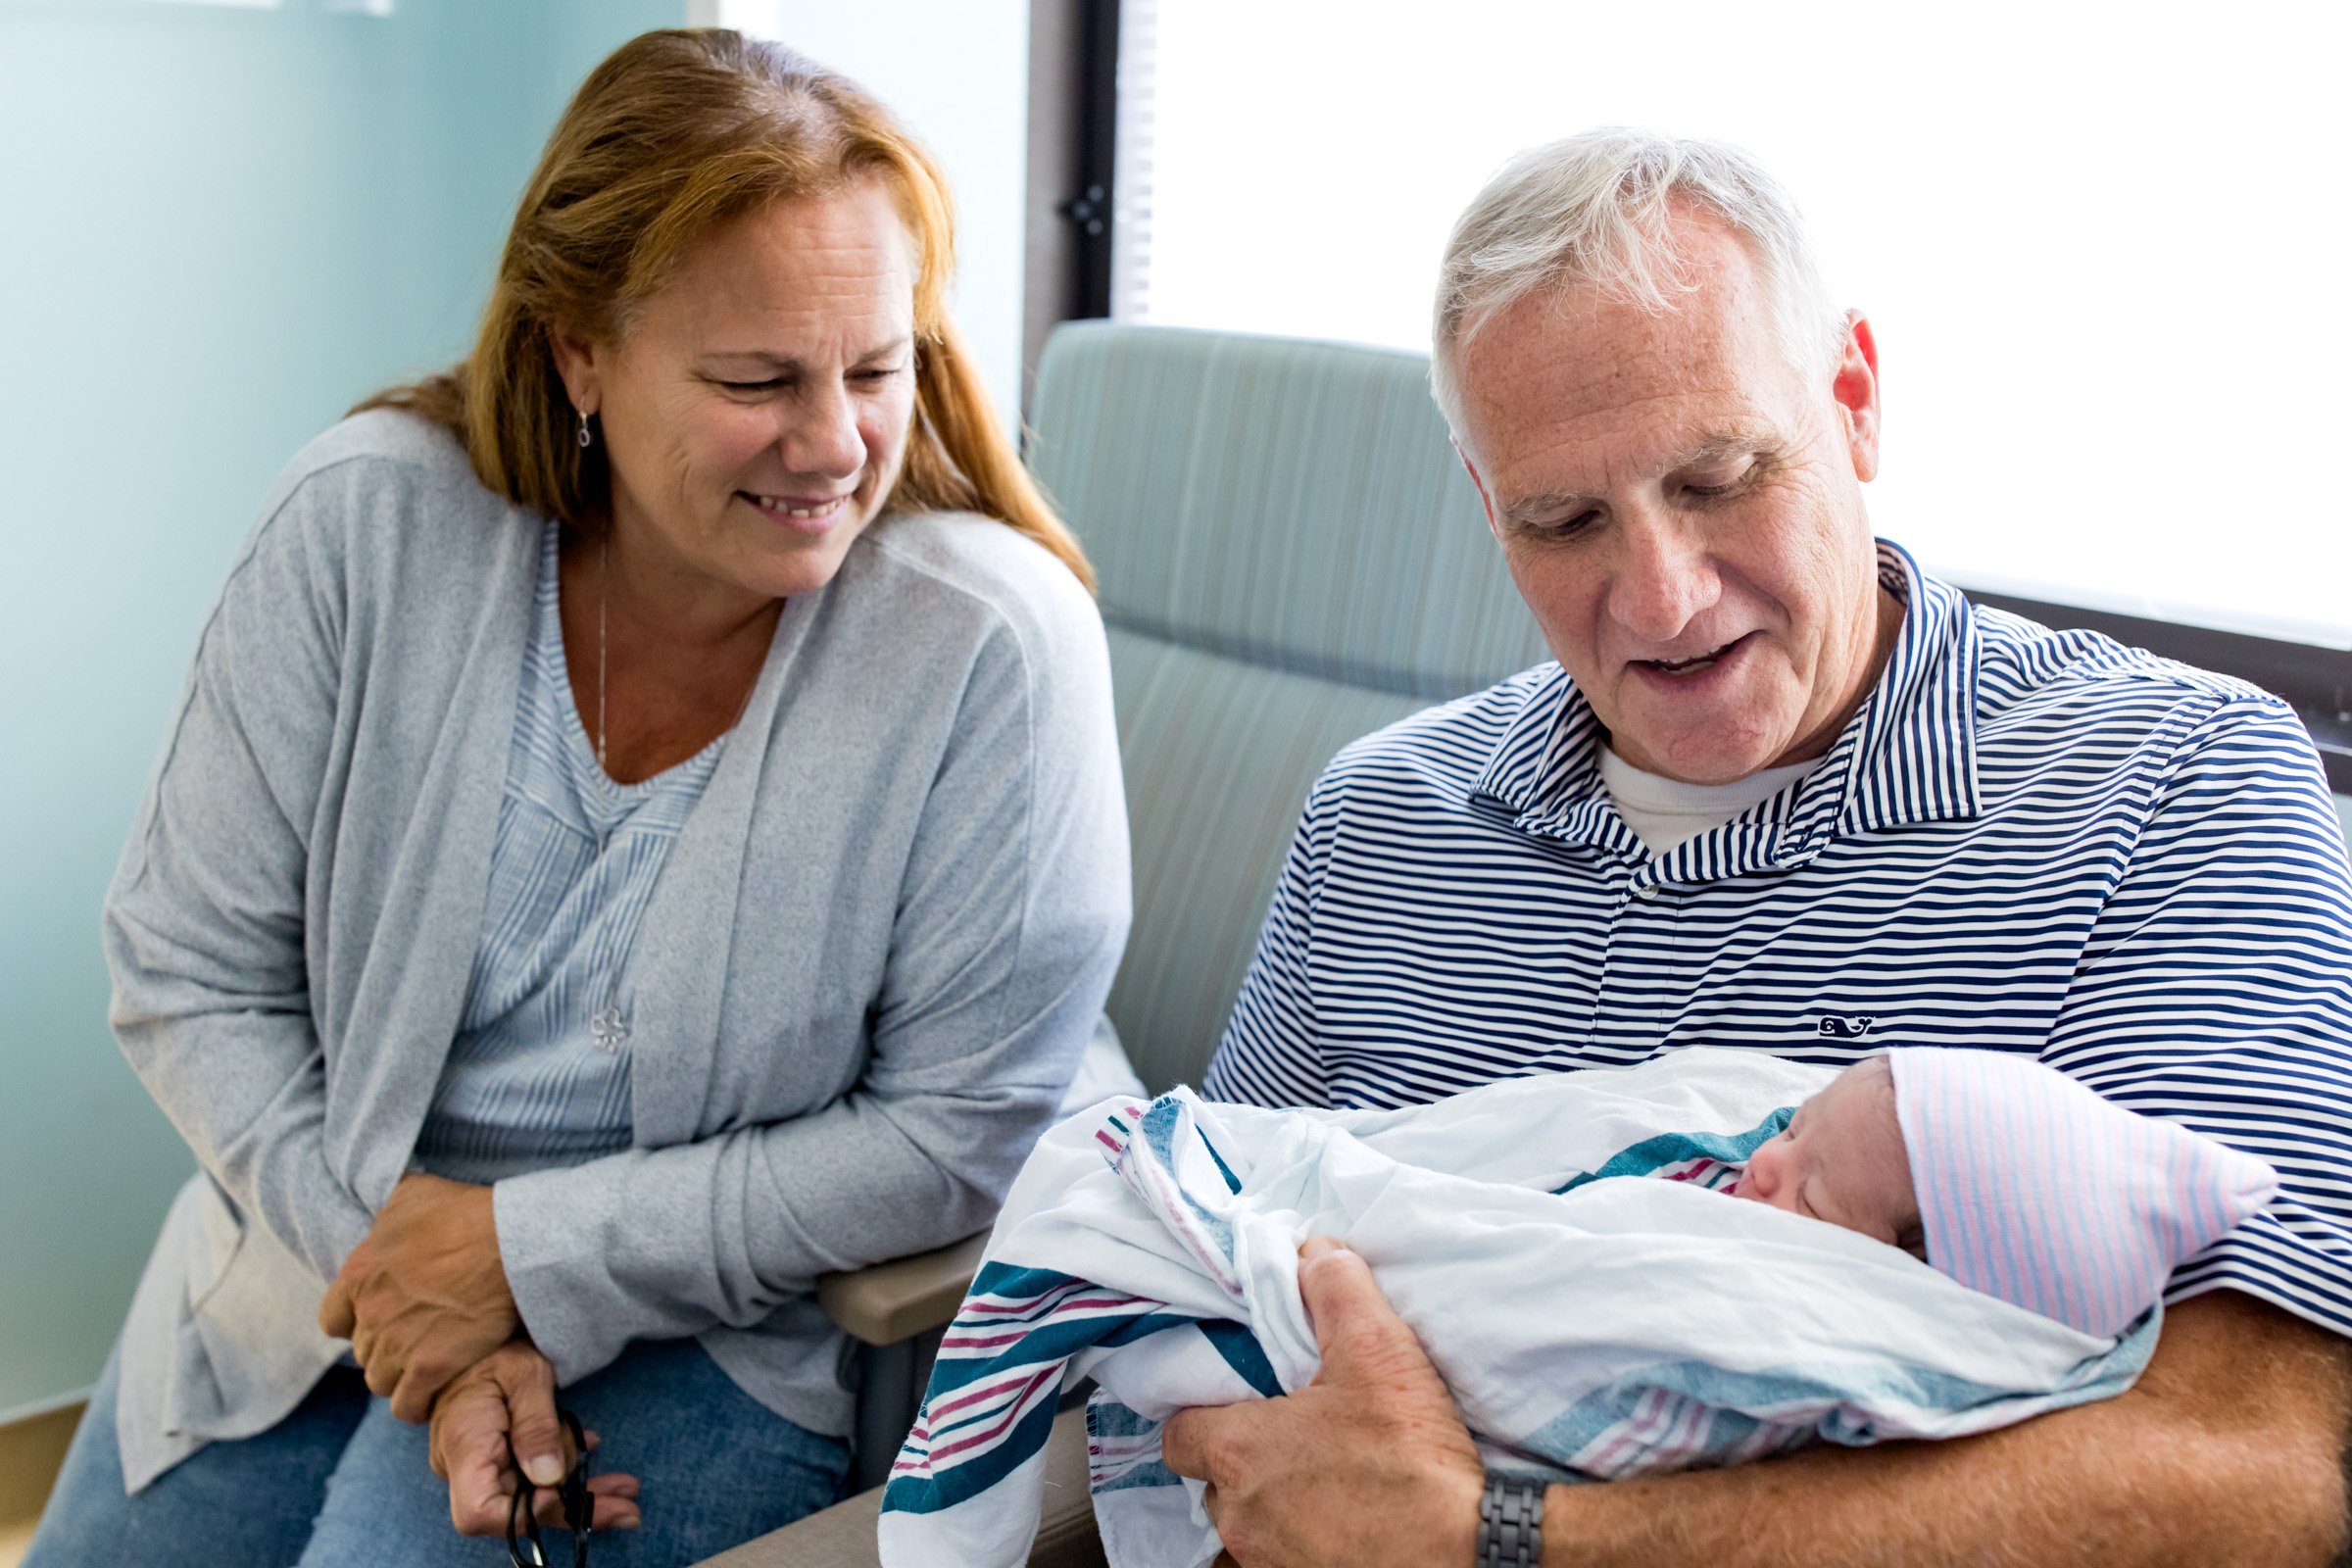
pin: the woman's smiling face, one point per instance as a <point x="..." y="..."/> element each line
<point x="754" y="411"/>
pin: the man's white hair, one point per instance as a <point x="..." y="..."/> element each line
<point x="1592" y="210"/>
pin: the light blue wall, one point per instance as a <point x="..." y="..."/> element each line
<point x="218" y="227"/>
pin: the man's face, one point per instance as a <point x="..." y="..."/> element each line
<point x="1682" y="509"/>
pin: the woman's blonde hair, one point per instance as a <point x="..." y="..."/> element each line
<point x="675" y="134"/>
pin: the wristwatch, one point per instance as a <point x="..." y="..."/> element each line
<point x="1510" y="1521"/>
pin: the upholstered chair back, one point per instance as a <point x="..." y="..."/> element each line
<point x="1291" y="557"/>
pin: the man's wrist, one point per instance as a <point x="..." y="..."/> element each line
<point x="1510" y="1519"/>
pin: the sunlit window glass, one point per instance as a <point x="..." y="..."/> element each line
<point x="2102" y="244"/>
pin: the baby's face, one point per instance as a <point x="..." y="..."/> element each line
<point x="1841" y="1160"/>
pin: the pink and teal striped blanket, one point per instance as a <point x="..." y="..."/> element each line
<point x="1593" y="1320"/>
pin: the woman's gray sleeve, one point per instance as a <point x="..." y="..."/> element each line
<point x="203" y="928"/>
<point x="1013" y="912"/>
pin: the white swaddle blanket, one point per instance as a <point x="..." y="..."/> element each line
<point x="1590" y="1327"/>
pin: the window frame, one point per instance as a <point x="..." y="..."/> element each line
<point x="1073" y="142"/>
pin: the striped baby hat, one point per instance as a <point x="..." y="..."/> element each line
<point x="2035" y="1189"/>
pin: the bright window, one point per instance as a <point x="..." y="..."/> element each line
<point x="2103" y="245"/>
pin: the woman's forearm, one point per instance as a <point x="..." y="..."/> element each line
<point x="660" y="1243"/>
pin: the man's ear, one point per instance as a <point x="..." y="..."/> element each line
<point x="576" y="361"/>
<point x="1471" y="468"/>
<point x="1856" y="389"/>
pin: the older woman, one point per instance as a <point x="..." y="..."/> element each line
<point x="643" y="830"/>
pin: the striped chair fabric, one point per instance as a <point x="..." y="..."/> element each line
<point x="1289" y="557"/>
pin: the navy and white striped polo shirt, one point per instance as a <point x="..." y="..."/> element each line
<point x="2025" y="840"/>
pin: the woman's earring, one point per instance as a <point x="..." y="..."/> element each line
<point x="587" y="440"/>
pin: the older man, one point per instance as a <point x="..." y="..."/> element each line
<point x="1783" y="791"/>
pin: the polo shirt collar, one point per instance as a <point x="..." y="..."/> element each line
<point x="1908" y="756"/>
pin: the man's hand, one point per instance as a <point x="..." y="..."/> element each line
<point x="506" y="1403"/>
<point x="1369" y="1465"/>
<point x="2226" y="1455"/>
<point x="425" y="1296"/>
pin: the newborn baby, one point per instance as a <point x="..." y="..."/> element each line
<point x="1596" y="1304"/>
<point x="2010" y="1177"/>
<point x="1842" y="1159"/>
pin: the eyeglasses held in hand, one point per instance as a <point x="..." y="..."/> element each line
<point x="524" y="1546"/>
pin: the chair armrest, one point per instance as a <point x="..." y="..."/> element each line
<point x="843" y="1536"/>
<point x="901" y="1299"/>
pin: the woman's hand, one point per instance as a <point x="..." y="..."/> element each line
<point x="501" y="1410"/>
<point x="425" y="1296"/>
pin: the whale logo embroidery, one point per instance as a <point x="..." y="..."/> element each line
<point x="1847" y="1027"/>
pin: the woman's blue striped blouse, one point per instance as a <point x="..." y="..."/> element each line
<point x="539" y="1073"/>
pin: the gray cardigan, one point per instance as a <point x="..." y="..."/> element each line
<point x="866" y="973"/>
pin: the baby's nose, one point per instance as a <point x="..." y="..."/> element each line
<point x="1762" y="1178"/>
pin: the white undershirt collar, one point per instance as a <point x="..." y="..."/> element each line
<point x="1666" y="813"/>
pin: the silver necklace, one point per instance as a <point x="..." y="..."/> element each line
<point x="605" y="1026"/>
<point x="604" y="586"/>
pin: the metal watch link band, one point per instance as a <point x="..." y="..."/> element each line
<point x="1510" y="1521"/>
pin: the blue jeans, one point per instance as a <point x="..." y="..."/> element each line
<point x="340" y="1483"/>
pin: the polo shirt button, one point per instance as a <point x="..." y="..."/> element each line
<point x="1645" y="893"/>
